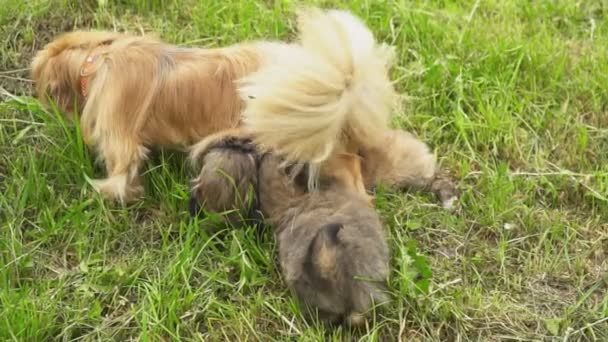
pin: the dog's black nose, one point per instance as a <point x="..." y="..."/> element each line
<point x="194" y="208"/>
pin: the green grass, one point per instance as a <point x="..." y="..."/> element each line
<point x="513" y="95"/>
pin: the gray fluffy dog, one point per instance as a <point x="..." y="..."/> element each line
<point x="332" y="247"/>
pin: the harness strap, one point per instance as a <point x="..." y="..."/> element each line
<point x="89" y="66"/>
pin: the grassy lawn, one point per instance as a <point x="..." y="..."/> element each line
<point x="513" y="96"/>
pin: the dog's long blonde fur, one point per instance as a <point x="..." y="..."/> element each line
<point x="331" y="95"/>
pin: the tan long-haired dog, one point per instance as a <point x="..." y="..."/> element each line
<point x="312" y="101"/>
<point x="136" y="92"/>
<point x="332" y="247"/>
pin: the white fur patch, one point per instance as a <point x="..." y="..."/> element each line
<point x="113" y="187"/>
<point x="449" y="203"/>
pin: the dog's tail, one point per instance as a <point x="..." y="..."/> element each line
<point x="330" y="90"/>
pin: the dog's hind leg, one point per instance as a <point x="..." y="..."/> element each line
<point x="346" y="170"/>
<point x="403" y="161"/>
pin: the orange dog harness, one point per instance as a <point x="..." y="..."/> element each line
<point x="89" y="67"/>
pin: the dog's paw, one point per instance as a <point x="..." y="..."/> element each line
<point x="448" y="204"/>
<point x="446" y="191"/>
<point x="117" y="189"/>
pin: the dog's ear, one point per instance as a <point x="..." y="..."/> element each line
<point x="38" y="64"/>
<point x="52" y="76"/>
<point x="40" y="73"/>
<point x="323" y="252"/>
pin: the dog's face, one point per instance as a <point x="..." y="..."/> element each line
<point x="56" y="68"/>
